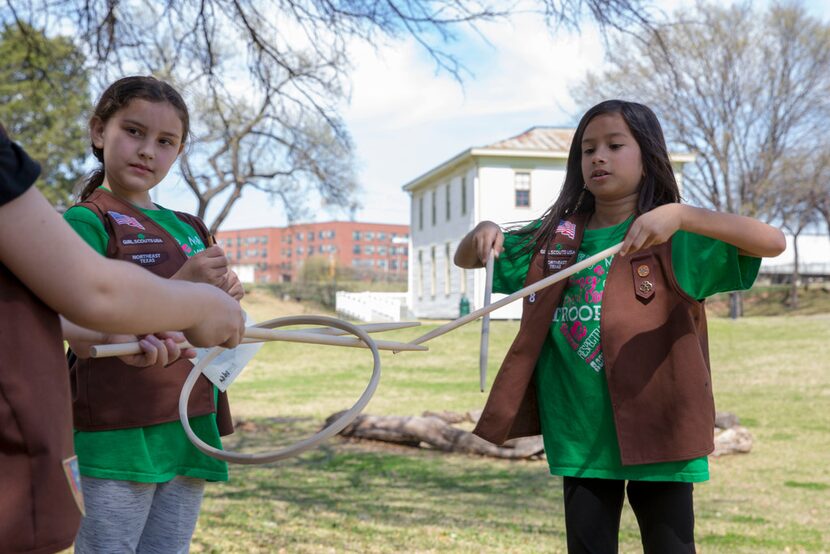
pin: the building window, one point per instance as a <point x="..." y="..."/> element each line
<point x="420" y="274"/>
<point x="447" y="201"/>
<point x="369" y="235"/>
<point x="356" y="249"/>
<point x="433" y="274"/>
<point x="522" y="184"/>
<point x="369" y="249"/>
<point x="355" y="235"/>
<point x="464" y="195"/>
<point x="311" y="235"/>
<point x="434" y="208"/>
<point x="447" y="269"/>
<point x="381" y="236"/>
<point x="421" y="213"/>
<point x="381" y="250"/>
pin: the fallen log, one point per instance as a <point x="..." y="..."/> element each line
<point x="434" y="430"/>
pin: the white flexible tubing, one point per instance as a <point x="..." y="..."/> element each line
<point x="305" y="444"/>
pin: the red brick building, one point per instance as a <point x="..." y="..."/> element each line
<point x="277" y="254"/>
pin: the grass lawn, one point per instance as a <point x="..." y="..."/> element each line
<point x="774" y="373"/>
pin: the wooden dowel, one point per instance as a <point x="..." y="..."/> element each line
<point x="485" y="323"/>
<point x="538" y="285"/>
<point x="259" y="334"/>
<point x="130" y="348"/>
<point x="319" y="338"/>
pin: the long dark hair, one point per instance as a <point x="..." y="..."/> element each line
<point x="657" y="187"/>
<point x="117" y="96"/>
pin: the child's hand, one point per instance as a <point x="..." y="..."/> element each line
<point x="651" y="228"/>
<point x="222" y="323"/>
<point x="487" y="236"/>
<point x="208" y="266"/>
<point x="233" y="285"/>
<point x="163" y="348"/>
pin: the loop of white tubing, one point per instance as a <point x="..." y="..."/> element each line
<point x="485" y="323"/>
<point x="538" y="285"/>
<point x="305" y="444"/>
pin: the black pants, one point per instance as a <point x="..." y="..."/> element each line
<point x="664" y="512"/>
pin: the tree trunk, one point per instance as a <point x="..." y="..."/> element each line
<point x="736" y="304"/>
<point x="795" y="275"/>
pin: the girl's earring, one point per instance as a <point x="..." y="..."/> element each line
<point x="581" y="197"/>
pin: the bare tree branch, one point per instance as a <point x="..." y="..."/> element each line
<point x="738" y="88"/>
<point x="282" y="133"/>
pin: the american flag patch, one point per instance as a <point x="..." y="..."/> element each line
<point x="567" y="228"/>
<point x="122" y="219"/>
<point x="73" y="477"/>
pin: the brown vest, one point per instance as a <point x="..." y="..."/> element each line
<point x="109" y="394"/>
<point x="37" y="511"/>
<point x="656" y="358"/>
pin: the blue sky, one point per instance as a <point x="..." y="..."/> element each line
<point x="405" y="118"/>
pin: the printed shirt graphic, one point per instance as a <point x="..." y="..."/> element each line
<point x="574" y="404"/>
<point x="156" y="453"/>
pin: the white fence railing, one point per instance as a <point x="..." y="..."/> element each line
<point x="372" y="306"/>
<point x="803" y="268"/>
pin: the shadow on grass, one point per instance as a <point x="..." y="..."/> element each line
<point x="375" y="491"/>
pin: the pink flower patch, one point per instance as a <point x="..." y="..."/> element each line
<point x="565" y="333"/>
<point x="186" y="249"/>
<point x="599" y="270"/>
<point x="578" y="331"/>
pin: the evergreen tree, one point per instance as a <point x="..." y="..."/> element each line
<point x="44" y="96"/>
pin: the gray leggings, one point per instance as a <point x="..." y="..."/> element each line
<point x="130" y="517"/>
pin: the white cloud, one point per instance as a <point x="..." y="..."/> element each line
<point x="405" y="119"/>
<point x="521" y="67"/>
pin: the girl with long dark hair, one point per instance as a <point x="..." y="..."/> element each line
<point x="611" y="366"/>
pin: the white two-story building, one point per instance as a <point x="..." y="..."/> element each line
<point x="513" y="180"/>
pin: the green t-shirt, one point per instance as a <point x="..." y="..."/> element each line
<point x="574" y="404"/>
<point x="156" y="453"/>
